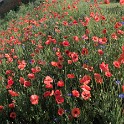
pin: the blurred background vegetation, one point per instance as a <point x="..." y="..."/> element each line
<point x="7" y="5"/>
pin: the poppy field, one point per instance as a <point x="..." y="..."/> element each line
<point x="62" y="62"/>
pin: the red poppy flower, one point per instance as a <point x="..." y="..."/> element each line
<point x="59" y="99"/>
<point x="85" y="37"/>
<point x="75" y="112"/>
<point x="8" y="87"/>
<point x="85" y="79"/>
<point x="70" y="62"/>
<point x="85" y="66"/>
<point x="116" y="64"/>
<point x="92" y="14"/>
<point x="98" y="78"/>
<point x="65" y="43"/>
<point x="95" y="38"/>
<point x="104" y="67"/>
<point x="31" y="76"/>
<point x="13" y="93"/>
<point x="48" y="42"/>
<point x="122" y="88"/>
<point x="48" y="80"/>
<point x="103" y="40"/>
<point x="108" y="74"/>
<point x="120" y="32"/>
<point x="76" y="38"/>
<point x="10" y="82"/>
<point x="97" y="18"/>
<point x="40" y="62"/>
<point x="1" y="108"/>
<point x="84" y="51"/>
<point x="59" y="65"/>
<point x="100" y="52"/>
<point x="123" y="18"/>
<point x="58" y="54"/>
<point x="13" y="115"/>
<point x="86" y="95"/>
<point x="38" y="69"/>
<point x="87" y="19"/>
<point x="54" y="63"/>
<point x="90" y="68"/>
<point x="46" y="94"/>
<point x="67" y="52"/>
<point x="114" y="36"/>
<point x="54" y="1"/>
<point x="61" y="111"/>
<point x="75" y="93"/>
<point x="53" y="41"/>
<point x="84" y="23"/>
<point x="60" y="83"/>
<point x="57" y="93"/>
<point x="21" y="80"/>
<point x="106" y="1"/>
<point x="74" y="57"/>
<point x="121" y="58"/>
<point x="60" y="59"/>
<point x="103" y="17"/>
<point x="75" y="22"/>
<point x="104" y="31"/>
<point x="49" y="86"/>
<point x="87" y="31"/>
<point x="85" y="87"/>
<point x="27" y="83"/>
<point x="11" y="105"/>
<point x="34" y="99"/>
<point x="65" y="23"/>
<point x="118" y="25"/>
<point x="33" y="70"/>
<point x="71" y="76"/>
<point x="8" y="72"/>
<point x="22" y="64"/>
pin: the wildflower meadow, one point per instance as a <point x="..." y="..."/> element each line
<point x="62" y="62"/>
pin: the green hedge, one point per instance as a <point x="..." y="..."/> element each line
<point x="8" y="5"/>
